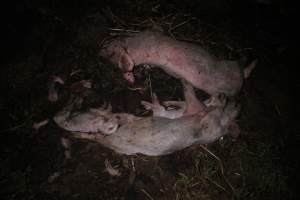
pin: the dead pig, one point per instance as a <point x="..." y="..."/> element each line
<point x="159" y="135"/>
<point x="180" y="59"/>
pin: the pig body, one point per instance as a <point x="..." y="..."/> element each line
<point x="180" y="59"/>
<point x="158" y="135"/>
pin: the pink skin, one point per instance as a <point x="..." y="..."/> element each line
<point x="52" y="92"/>
<point x="179" y="110"/>
<point x="180" y="59"/>
<point x="154" y="135"/>
<point x="58" y="79"/>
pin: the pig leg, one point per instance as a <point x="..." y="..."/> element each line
<point x="175" y="104"/>
<point x="67" y="147"/>
<point x="126" y="64"/>
<point x="154" y="106"/>
<point x="58" y="79"/>
<point x="125" y="118"/>
<point x="160" y="111"/>
<point x="193" y="105"/>
<point x="52" y="92"/>
<point x="217" y="100"/>
<point x="175" y="109"/>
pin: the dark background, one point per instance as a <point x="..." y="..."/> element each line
<point x="41" y="37"/>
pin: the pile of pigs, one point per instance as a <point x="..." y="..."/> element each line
<point x="167" y="130"/>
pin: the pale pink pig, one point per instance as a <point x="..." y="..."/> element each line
<point x="180" y="59"/>
<point x="155" y="135"/>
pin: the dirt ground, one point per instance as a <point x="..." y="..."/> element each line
<point x="47" y="38"/>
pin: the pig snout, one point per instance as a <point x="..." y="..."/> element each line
<point x="116" y="54"/>
<point x="128" y="76"/>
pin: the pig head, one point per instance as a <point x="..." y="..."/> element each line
<point x="91" y="121"/>
<point x="180" y="59"/>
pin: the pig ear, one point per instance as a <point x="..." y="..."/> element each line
<point x="126" y="63"/>
<point x="249" y="68"/>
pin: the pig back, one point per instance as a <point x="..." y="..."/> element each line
<point x="186" y="60"/>
<point x="222" y="77"/>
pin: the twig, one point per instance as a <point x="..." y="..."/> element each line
<point x="147" y="194"/>
<point x="216" y="157"/>
<point x="132" y="163"/>
<point x="180" y="24"/>
<point x="150" y="86"/>
<point x="174" y="90"/>
<point x="229" y="47"/>
<point x="229" y="184"/>
<point x="190" y="40"/>
<point x="123" y="30"/>
<point x="140" y="23"/>
<point x="221" y="167"/>
<point x="136" y="88"/>
<point x="216" y="184"/>
<point x="75" y="72"/>
<point x="277" y="109"/>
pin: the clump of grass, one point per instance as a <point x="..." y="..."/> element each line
<point x="203" y="179"/>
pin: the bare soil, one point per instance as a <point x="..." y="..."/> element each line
<point x="64" y="37"/>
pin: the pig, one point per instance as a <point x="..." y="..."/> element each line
<point x="158" y="135"/>
<point x="180" y="59"/>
